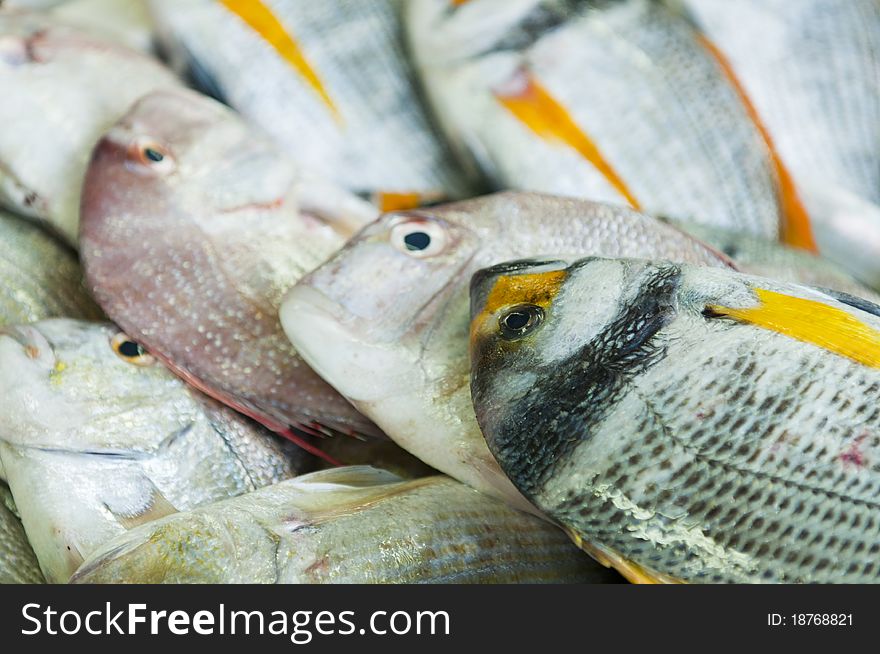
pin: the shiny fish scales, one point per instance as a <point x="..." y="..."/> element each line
<point x="334" y="86"/>
<point x="194" y="225"/>
<point x="349" y="525"/>
<point x="611" y="101"/>
<point x="385" y="320"/>
<point x="685" y="423"/>
<point x="39" y="276"/>
<point x="18" y="563"/>
<point x="98" y="437"/>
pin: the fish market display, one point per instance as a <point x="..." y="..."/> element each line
<point x="39" y="277"/>
<point x="812" y="71"/>
<point x="685" y="423"/>
<point x="349" y="525"/>
<point x="334" y="87"/>
<point x="386" y="319"/>
<point x="193" y="227"/>
<point x="616" y="101"/>
<point x="98" y="437"/>
<point x="62" y="87"/>
<point x="18" y="564"/>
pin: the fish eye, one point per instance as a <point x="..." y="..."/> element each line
<point x="520" y="320"/>
<point x="130" y="351"/>
<point x="150" y="155"/>
<point x="419" y="238"/>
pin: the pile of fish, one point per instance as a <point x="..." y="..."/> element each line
<point x="432" y="291"/>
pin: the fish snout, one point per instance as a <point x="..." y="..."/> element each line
<point x="30" y="341"/>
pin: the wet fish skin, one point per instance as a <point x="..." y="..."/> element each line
<point x="627" y="94"/>
<point x="39" y="276"/>
<point x="359" y="121"/>
<point x="685" y="423"/>
<point x="349" y="525"/>
<point x="93" y="444"/>
<point x="191" y="255"/>
<point x="812" y="71"/>
<point x="18" y="563"/>
<point x="387" y="326"/>
<point x="47" y="65"/>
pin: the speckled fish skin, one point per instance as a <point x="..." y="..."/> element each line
<point x="349" y="525"/>
<point x="812" y="71"/>
<point x="39" y="276"/>
<point x="765" y="258"/>
<point x="62" y="87"/>
<point x="674" y="439"/>
<point x="633" y="78"/>
<point x="192" y="255"/>
<point x="371" y="134"/>
<point x="18" y="563"/>
<point x="92" y="444"/>
<point x="387" y="326"/>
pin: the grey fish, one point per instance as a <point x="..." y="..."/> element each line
<point x="62" y="87"/>
<point x="385" y="320"/>
<point x="98" y="437"/>
<point x="334" y="87"/>
<point x="685" y="423"/>
<point x="349" y="525"/>
<point x="39" y="276"/>
<point x="18" y="563"/>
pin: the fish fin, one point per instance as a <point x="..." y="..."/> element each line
<point x="530" y="103"/>
<point x="633" y="572"/>
<point x="358" y="476"/>
<point x="264" y="22"/>
<point x="157" y="507"/>
<point x="811" y="321"/>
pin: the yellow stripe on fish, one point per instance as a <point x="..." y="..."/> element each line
<point x="264" y="22"/>
<point x="538" y="110"/>
<point x="813" y="322"/>
<point x="795" y="228"/>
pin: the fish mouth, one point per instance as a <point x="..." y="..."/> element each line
<point x="315" y="324"/>
<point x="32" y="341"/>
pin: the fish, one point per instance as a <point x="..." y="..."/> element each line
<point x="98" y="437"/>
<point x="347" y="525"/>
<point x="765" y="258"/>
<point x="385" y="320"/>
<point x="63" y="86"/>
<point x="335" y="88"/>
<point x="617" y="101"/>
<point x="684" y="423"/>
<point x="40" y="276"/>
<point x="127" y="22"/>
<point x="194" y="225"/>
<point x="18" y="563"/>
<point x="811" y="70"/>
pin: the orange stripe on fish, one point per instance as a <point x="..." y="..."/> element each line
<point x="795" y="229"/>
<point x="810" y="321"/>
<point x="391" y="201"/>
<point x="264" y="22"/>
<point x="533" y="106"/>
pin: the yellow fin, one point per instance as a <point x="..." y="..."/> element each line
<point x="630" y="570"/>
<point x="810" y="321"/>
<point x="795" y="228"/>
<point x="534" y="107"/>
<point x="392" y="201"/>
<point x="261" y="19"/>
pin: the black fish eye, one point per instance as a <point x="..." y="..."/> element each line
<point x="417" y="241"/>
<point x="130" y="349"/>
<point x="520" y="320"/>
<point x="154" y="155"/>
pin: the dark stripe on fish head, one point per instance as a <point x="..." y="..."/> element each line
<point x="557" y="399"/>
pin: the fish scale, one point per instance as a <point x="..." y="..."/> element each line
<point x="18" y="563"/>
<point x="770" y="473"/>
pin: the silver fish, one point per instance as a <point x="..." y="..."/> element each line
<point x="349" y="525"/>
<point x="18" y="563"/>
<point x="39" y="276"/>
<point x="62" y="87"/>
<point x="612" y="101"/>
<point x="686" y="423"/>
<point x="97" y="437"/>
<point x="334" y="87"/>
<point x="124" y="21"/>
<point x="385" y="321"/>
